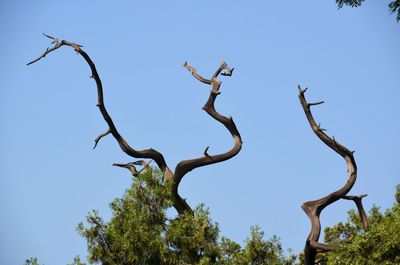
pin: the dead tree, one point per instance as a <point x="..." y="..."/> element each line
<point x="314" y="208"/>
<point x="182" y="167"/>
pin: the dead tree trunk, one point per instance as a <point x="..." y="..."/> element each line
<point x="314" y="208"/>
<point x="184" y="166"/>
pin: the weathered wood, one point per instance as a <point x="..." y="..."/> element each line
<point x="314" y="208"/>
<point x="185" y="165"/>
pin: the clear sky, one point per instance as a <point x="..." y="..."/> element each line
<point x="51" y="178"/>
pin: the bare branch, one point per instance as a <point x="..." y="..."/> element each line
<point x="314" y="208"/>
<point x="96" y="141"/>
<point x="331" y="142"/>
<point x="47" y="51"/>
<point x="358" y="201"/>
<point x="131" y="166"/>
<point x="50" y="37"/>
<point x="223" y="67"/>
<point x="301" y="91"/>
<point x="148" y="153"/>
<point x="228" y="73"/>
<point x="320" y="128"/>
<point x="321" y="247"/>
<point x="196" y="74"/>
<point x="353" y="197"/>
<point x="206" y="151"/>
<point x="186" y="166"/>
<point x="128" y="166"/>
<point x="315" y="103"/>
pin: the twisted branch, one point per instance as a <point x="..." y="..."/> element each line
<point x="147" y="153"/>
<point x="314" y="208"/>
<point x="186" y="166"/>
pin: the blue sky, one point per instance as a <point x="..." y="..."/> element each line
<point x="51" y="178"/>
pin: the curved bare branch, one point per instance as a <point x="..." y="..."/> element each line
<point x="321" y="247"/>
<point x="131" y="166"/>
<point x="186" y="166"/>
<point x="147" y="153"/>
<point x="358" y="201"/>
<point x="314" y="208"/>
<point x="98" y="138"/>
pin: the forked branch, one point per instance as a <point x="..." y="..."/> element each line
<point x="314" y="208"/>
<point x="186" y="166"/>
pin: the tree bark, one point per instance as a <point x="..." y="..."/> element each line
<point x="184" y="166"/>
<point x="314" y="208"/>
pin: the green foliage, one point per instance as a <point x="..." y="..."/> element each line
<point x="140" y="232"/>
<point x="256" y="251"/>
<point x="134" y="235"/>
<point x="351" y="3"/>
<point x="380" y="244"/>
<point x="260" y="252"/>
<point x="394" y="6"/>
<point x="397" y="196"/>
<point x="194" y="238"/>
<point x="31" y="261"/>
<point x="77" y="261"/>
<point x="231" y="252"/>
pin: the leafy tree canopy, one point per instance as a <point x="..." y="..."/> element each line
<point x="140" y="232"/>
<point x="380" y="244"/>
